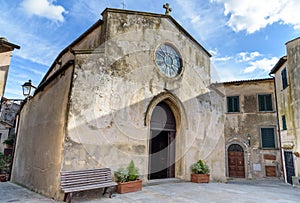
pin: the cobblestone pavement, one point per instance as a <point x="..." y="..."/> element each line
<point x="181" y="192"/>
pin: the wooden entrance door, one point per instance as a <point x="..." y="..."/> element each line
<point x="162" y="143"/>
<point x="289" y="166"/>
<point x="236" y="164"/>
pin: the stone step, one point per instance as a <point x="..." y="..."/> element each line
<point x="162" y="181"/>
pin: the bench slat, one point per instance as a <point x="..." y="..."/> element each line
<point x="83" y="183"/>
<point x="77" y="189"/>
<point x="86" y="171"/>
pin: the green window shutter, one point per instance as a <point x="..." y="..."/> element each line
<point x="261" y="103"/>
<point x="237" y="104"/>
<point x="233" y="104"/>
<point x="269" y="106"/>
<point x="267" y="138"/>
<point x="265" y="102"/>
<point x="284" y="78"/>
<point x="229" y="104"/>
<point x="283" y="122"/>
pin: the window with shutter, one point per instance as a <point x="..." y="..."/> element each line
<point x="265" y="102"/>
<point x="267" y="138"/>
<point x="233" y="104"/>
<point x="283" y="122"/>
<point x="284" y="78"/>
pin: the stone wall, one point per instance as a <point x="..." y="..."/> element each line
<point x="109" y="118"/>
<point x="41" y="132"/>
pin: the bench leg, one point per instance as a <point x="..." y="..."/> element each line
<point x="68" y="196"/>
<point x="105" y="189"/>
<point x="110" y="192"/>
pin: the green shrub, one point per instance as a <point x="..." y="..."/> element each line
<point x="121" y="175"/>
<point x="132" y="172"/>
<point x="126" y="175"/>
<point x="9" y="141"/>
<point x="5" y="162"/>
<point x="200" y="167"/>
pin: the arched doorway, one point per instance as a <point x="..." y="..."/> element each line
<point x="162" y="143"/>
<point x="236" y="164"/>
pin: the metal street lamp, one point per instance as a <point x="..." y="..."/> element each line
<point x="28" y="89"/>
<point x="249" y="139"/>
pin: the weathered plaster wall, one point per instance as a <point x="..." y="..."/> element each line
<point x="115" y="92"/>
<point x="248" y="121"/>
<point x="4" y="66"/>
<point x="41" y="133"/>
<point x="293" y="64"/>
<point x="285" y="108"/>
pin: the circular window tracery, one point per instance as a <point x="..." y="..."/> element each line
<point x="168" y="61"/>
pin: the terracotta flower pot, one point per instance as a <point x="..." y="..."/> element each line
<point x="130" y="186"/>
<point x="2" y="178"/>
<point x="200" y="178"/>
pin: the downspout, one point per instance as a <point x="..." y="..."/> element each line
<point x="278" y="130"/>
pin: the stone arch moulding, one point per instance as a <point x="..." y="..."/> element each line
<point x="175" y="105"/>
<point x="238" y="141"/>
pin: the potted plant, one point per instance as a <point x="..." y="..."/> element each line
<point x="9" y="142"/>
<point x="5" y="162"/>
<point x="127" y="179"/>
<point x="200" y="172"/>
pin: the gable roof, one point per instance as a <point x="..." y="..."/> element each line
<point x="159" y="16"/>
<point x="99" y="23"/>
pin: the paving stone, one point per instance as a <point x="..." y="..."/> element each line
<point x="180" y="192"/>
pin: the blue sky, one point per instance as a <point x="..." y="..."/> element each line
<point x="246" y="38"/>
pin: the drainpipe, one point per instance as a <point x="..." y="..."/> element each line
<point x="278" y="130"/>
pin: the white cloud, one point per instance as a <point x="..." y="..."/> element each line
<point x="226" y="58"/>
<point x="265" y="64"/>
<point x="253" y="15"/>
<point x="206" y="19"/>
<point x="246" y="56"/>
<point x="44" y="8"/>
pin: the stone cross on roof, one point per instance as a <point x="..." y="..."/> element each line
<point x="168" y="9"/>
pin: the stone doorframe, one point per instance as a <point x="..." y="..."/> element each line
<point x="247" y="158"/>
<point x="181" y="127"/>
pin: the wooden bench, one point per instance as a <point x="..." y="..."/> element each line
<point x="81" y="180"/>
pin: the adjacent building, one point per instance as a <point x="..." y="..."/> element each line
<point x="251" y="139"/>
<point x="287" y="80"/>
<point x="8" y="108"/>
<point x="6" y="49"/>
<point x="8" y="112"/>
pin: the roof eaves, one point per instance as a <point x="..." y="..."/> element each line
<point x="95" y="25"/>
<point x="14" y="46"/>
<point x="244" y="81"/>
<point x="281" y="61"/>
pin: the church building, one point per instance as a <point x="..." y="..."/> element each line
<point x="134" y="86"/>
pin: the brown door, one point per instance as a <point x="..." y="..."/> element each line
<point x="236" y="164"/>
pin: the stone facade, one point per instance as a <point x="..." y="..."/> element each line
<point x="106" y="86"/>
<point x="286" y="73"/>
<point x="243" y="130"/>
